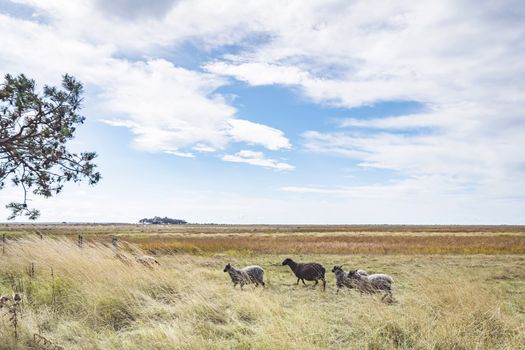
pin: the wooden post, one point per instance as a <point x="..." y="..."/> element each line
<point x="3" y="244"/>
<point x="114" y="242"/>
<point x="80" y="240"/>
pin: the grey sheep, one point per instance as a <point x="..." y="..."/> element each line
<point x="362" y="272"/>
<point x="247" y="275"/>
<point x="372" y="283"/>
<point x="307" y="271"/>
<point x="342" y="279"/>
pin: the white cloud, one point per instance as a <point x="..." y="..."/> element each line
<point x="181" y="154"/>
<point x="484" y="166"/>
<point x="135" y="9"/>
<point x="463" y="68"/>
<point x="203" y="148"/>
<point x="415" y="188"/>
<point x="422" y="120"/>
<point x="168" y="108"/>
<point x="179" y="109"/>
<point x="257" y="73"/>
<point x="258" y="134"/>
<point x="256" y="158"/>
<point x="131" y="26"/>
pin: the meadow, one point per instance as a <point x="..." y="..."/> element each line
<point x="455" y="288"/>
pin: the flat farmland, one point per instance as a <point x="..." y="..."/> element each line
<point x="281" y="239"/>
<point x="454" y="287"/>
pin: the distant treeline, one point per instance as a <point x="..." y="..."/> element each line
<point x="157" y="220"/>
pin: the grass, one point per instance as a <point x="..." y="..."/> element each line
<point x="94" y="301"/>
<point x="293" y="239"/>
<point x="336" y="244"/>
<point x="316" y="230"/>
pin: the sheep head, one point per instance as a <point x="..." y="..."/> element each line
<point x="353" y="273"/>
<point x="227" y="267"/>
<point x="337" y="268"/>
<point x="287" y="261"/>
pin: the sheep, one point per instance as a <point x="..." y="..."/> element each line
<point x="361" y="272"/>
<point x="4" y="300"/>
<point x="147" y="261"/>
<point x="307" y="271"/>
<point x="372" y="283"/>
<point x="16" y="298"/>
<point x="342" y="279"/>
<point x="247" y="275"/>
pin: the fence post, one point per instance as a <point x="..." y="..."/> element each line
<point x="3" y="244"/>
<point x="80" y="240"/>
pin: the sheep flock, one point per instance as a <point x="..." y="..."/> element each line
<point x="356" y="279"/>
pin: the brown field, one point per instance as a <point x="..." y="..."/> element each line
<point x="456" y="287"/>
<point x="138" y="229"/>
<point x="87" y="299"/>
<point x="293" y="239"/>
<point x="297" y="244"/>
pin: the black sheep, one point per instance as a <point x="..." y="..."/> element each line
<point x="307" y="271"/>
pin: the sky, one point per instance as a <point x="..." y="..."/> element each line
<point x="325" y="112"/>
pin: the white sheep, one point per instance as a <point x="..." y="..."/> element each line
<point x="247" y="275"/>
<point x="372" y="283"/>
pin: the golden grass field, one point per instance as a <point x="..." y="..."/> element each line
<point x="293" y="239"/>
<point x="449" y="293"/>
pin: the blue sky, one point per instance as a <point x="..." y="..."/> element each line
<point x="305" y="112"/>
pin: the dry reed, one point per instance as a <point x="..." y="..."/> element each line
<point x="187" y="303"/>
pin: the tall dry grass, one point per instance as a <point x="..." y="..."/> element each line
<point x="334" y="244"/>
<point x="138" y="229"/>
<point x="95" y="301"/>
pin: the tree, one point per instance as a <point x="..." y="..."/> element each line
<point x="157" y="220"/>
<point x="34" y="130"/>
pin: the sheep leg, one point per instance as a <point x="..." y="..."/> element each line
<point x="315" y="284"/>
<point x="324" y="284"/>
<point x="298" y="281"/>
<point x="264" y="285"/>
<point x="303" y="281"/>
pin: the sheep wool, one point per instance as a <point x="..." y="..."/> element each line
<point x="247" y="275"/>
